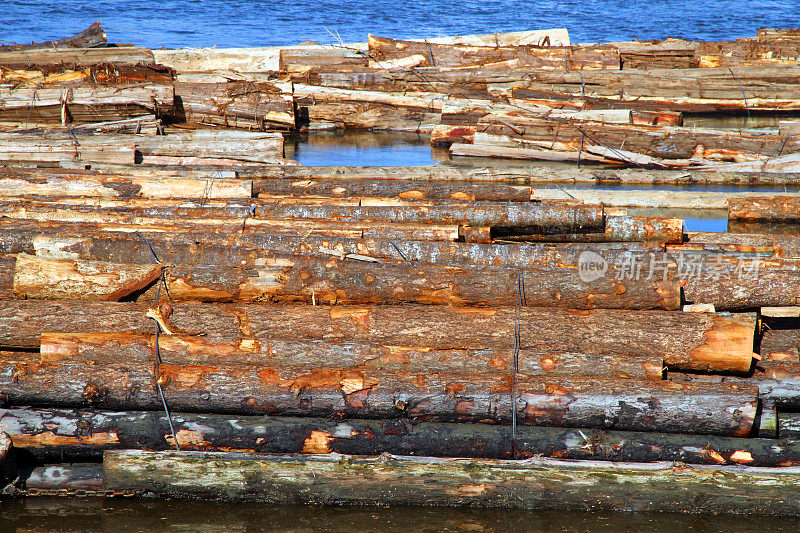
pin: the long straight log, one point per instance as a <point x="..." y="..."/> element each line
<point x="389" y="53"/>
<point x="268" y="188"/>
<point x="399" y="480"/>
<point x="78" y="435"/>
<point x="68" y="241"/>
<point x="703" y="408"/>
<point x="617" y="229"/>
<point x="117" y="56"/>
<point x="283" y="277"/>
<point x="684" y="340"/>
<point x="315" y="355"/>
<point x="778" y="208"/>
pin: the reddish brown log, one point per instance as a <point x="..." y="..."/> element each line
<point x="684" y="340"/>
<point x="778" y="208"/>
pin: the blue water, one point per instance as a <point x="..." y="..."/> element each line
<point x="185" y="23"/>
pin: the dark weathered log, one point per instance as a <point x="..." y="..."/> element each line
<point x="781" y="345"/>
<point x="235" y="104"/>
<point x="78" y="435"/>
<point x="782" y="245"/>
<point x="399" y="480"/>
<point x="315" y="355"/>
<point x="617" y="229"/>
<point x="778" y="208"/>
<point x="88" y="38"/>
<point x="789" y="426"/>
<point x="80" y="476"/>
<point x="391" y="53"/>
<point x="283" y="277"/>
<point x="703" y="408"/>
<point x="404" y="190"/>
<point x="72" y="241"/>
<point x="684" y="340"/>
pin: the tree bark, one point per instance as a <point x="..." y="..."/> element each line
<point x="117" y="56"/>
<point x="401" y="480"/>
<point x="684" y="340"/>
<point x="778" y="208"/>
<point x="78" y="435"/>
<point x="702" y="408"/>
<point x="312" y="355"/>
<point x="286" y="278"/>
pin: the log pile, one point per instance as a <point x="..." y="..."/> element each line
<point x="186" y="288"/>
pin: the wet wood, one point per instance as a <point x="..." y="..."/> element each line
<point x="684" y="340"/>
<point x="312" y="356"/>
<point x="78" y="435"/>
<point x="524" y="484"/>
<point x="35" y="277"/>
<point x="777" y="207"/>
<point x="617" y="229"/>
<point x="703" y="408"/>
<point x="80" y="476"/>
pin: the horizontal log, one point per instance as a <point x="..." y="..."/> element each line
<point x="788" y="426"/>
<point x="781" y="345"/>
<point x="18" y="183"/>
<point x="390" y="479"/>
<point x="366" y="188"/>
<point x="71" y="477"/>
<point x="778" y="208"/>
<point x="78" y="435"/>
<point x="782" y="245"/>
<point x="387" y="53"/>
<point x="617" y="229"/>
<point x="702" y="408"/>
<point x="316" y="355"/>
<point x="283" y="277"/>
<point x="35" y="277"/>
<point x="123" y="55"/>
<point x="684" y="340"/>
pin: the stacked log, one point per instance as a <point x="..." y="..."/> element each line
<point x="169" y="286"/>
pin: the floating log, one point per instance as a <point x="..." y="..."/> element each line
<point x="282" y="277"/>
<point x="777" y="208"/>
<point x="78" y="435"/>
<point x="90" y="37"/>
<point x="391" y="53"/>
<point x="321" y="355"/>
<point x="235" y="104"/>
<point x="80" y="476"/>
<point x="402" y="480"/>
<point x="690" y="341"/>
<point x="702" y="408"/>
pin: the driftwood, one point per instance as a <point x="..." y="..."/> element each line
<point x="683" y="340"/>
<point x="88" y="38"/>
<point x="79" y="435"/>
<point x="456" y="482"/>
<point x="86" y="57"/>
<point x="703" y="408"/>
